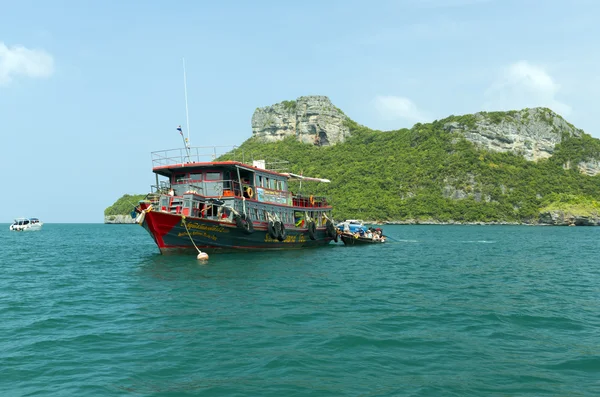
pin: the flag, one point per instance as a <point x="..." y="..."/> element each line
<point x="180" y="131"/>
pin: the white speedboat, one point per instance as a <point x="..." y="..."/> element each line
<point x="26" y="224"/>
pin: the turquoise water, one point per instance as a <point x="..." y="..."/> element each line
<point x="94" y="310"/>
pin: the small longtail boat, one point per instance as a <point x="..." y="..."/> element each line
<point x="353" y="239"/>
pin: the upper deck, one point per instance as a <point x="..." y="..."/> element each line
<point x="165" y="160"/>
<point x="196" y="170"/>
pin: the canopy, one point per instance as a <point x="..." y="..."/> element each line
<point x="304" y="178"/>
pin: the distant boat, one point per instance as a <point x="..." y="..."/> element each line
<point x="26" y="224"/>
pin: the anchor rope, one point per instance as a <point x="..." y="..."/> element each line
<point x="188" y="232"/>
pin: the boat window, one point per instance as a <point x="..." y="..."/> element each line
<point x="211" y="210"/>
<point x="227" y="182"/>
<point x="196" y="176"/>
<point x="213" y="176"/>
<point x="271" y="183"/>
<point x="178" y="178"/>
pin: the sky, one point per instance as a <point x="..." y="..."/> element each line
<point x="88" y="89"/>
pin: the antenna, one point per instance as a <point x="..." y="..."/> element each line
<point x="186" y="141"/>
<point x="187" y="115"/>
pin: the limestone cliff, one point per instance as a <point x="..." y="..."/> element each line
<point x="568" y="218"/>
<point x="533" y="133"/>
<point x="311" y="119"/>
<point x="118" y="219"/>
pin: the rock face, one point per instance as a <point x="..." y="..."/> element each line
<point x="560" y="218"/>
<point x="119" y="219"/>
<point x="311" y="119"/>
<point x="590" y="167"/>
<point x="532" y="133"/>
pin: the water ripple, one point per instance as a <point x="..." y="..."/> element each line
<point x="439" y="311"/>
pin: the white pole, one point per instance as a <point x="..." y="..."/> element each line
<point x="187" y="116"/>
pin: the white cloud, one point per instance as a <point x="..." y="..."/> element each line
<point x="522" y="85"/>
<point x="397" y="107"/>
<point x="20" y="61"/>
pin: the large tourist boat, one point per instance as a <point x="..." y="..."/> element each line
<point x="203" y="203"/>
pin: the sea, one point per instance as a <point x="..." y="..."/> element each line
<point x="95" y="310"/>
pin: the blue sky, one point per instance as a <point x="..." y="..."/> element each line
<point x="89" y="89"/>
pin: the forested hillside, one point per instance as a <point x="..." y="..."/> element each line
<point x="453" y="170"/>
<point x="428" y="173"/>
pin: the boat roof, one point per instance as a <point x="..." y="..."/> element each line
<point x="167" y="162"/>
<point x="167" y="170"/>
<point x="354" y="221"/>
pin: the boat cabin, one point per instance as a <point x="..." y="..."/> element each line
<point x="210" y="189"/>
<point x="21" y="222"/>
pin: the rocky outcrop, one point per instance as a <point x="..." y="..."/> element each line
<point x="590" y="167"/>
<point x="561" y="218"/>
<point x="118" y="219"/>
<point x="311" y="119"/>
<point x="533" y="133"/>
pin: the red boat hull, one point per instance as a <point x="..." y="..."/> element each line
<point x="175" y="234"/>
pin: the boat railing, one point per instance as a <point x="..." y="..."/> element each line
<point x="232" y="188"/>
<point x="197" y="154"/>
<point x="203" y="154"/>
<point x="299" y="200"/>
<point x="213" y="188"/>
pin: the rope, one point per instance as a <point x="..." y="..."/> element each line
<point x="201" y="255"/>
<point x="272" y="217"/>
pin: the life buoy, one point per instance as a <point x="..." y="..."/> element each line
<point x="271" y="229"/>
<point x="311" y="200"/>
<point x="249" y="192"/>
<point x="312" y="229"/>
<point x="281" y="232"/>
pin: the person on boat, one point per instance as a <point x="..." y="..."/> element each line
<point x="361" y="232"/>
<point x="369" y="234"/>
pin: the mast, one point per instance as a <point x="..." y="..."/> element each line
<point x="187" y="115"/>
